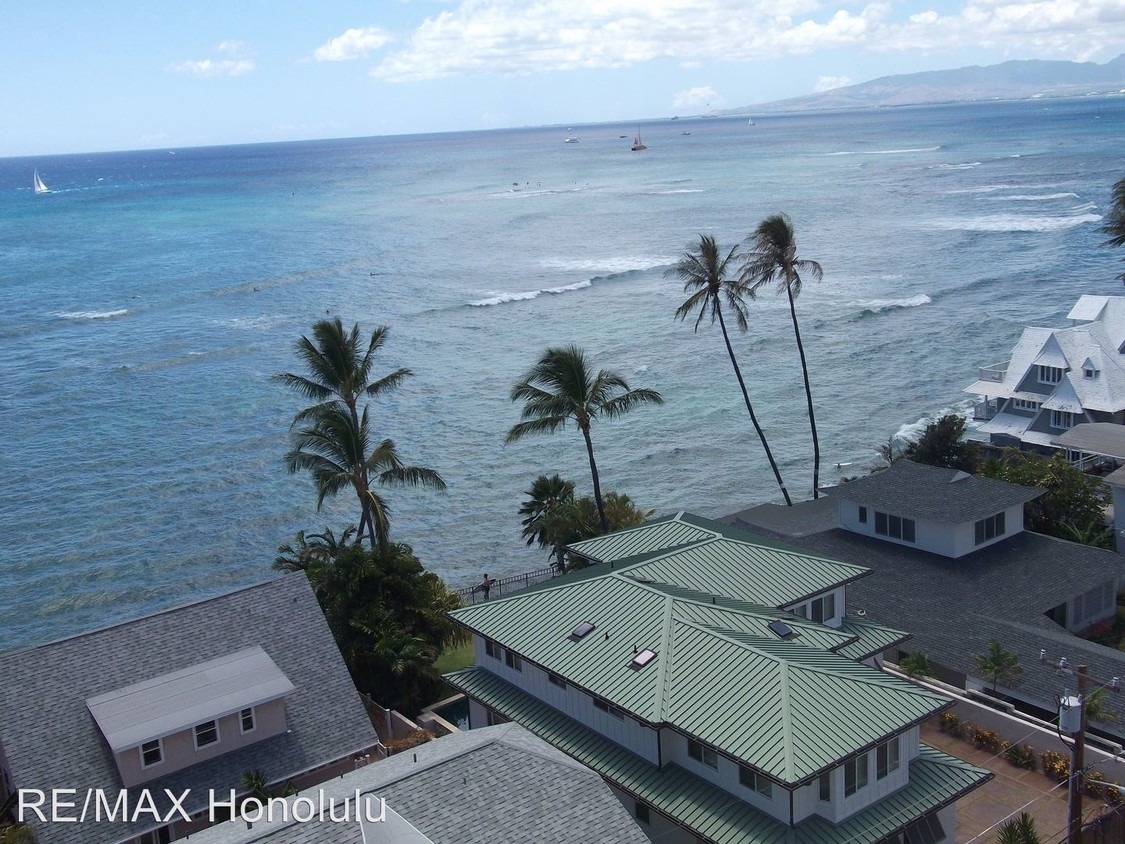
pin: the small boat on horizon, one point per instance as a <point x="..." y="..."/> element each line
<point x="638" y="144"/>
<point x="571" y="140"/>
<point x="38" y="184"/>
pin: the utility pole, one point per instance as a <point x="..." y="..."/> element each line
<point x="1077" y="763"/>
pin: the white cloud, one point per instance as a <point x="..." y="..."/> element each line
<point x="697" y="98"/>
<point x="353" y="44"/>
<point x="827" y="83"/>
<point x="240" y="62"/>
<point x="515" y="37"/>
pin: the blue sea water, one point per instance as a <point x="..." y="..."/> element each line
<point x="145" y="302"/>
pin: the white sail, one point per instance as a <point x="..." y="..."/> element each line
<point x="39" y="186"/>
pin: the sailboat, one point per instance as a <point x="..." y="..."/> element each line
<point x="751" y="121"/>
<point x="638" y="144"/>
<point x="38" y="183"/>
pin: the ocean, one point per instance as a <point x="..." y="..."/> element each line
<point x="148" y="298"/>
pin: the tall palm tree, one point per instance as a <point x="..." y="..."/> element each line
<point x="1114" y="224"/>
<point x="772" y="257"/>
<point x="562" y="388"/>
<point x="704" y="274"/>
<point x="339" y="378"/>
<point x="338" y="453"/>
<point x="546" y="513"/>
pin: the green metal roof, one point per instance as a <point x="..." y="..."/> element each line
<point x="748" y="572"/>
<point x="786" y="707"/>
<point x="935" y="779"/>
<point x="657" y="535"/>
<point x="870" y="638"/>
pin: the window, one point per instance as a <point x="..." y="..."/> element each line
<point x="513" y="661"/>
<point x="825" y="784"/>
<point x="492" y="649"/>
<point x="824" y="608"/>
<point x="802" y="611"/>
<point x="206" y="734"/>
<point x="1061" y="419"/>
<point x="895" y="527"/>
<point x="703" y="754"/>
<point x="1050" y="374"/>
<point x="755" y="782"/>
<point x="855" y="774"/>
<point x="152" y="753"/>
<point x="863" y="515"/>
<point x="246" y="720"/>
<point x="556" y="680"/>
<point x="886" y="758"/>
<point x="989" y="528"/>
<point x="1025" y="404"/>
<point x="1090" y="373"/>
<point x="640" y="811"/>
<point x="611" y="710"/>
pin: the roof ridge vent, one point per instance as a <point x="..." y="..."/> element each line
<point x="959" y="476"/>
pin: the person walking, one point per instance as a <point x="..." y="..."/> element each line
<point x="486" y="585"/>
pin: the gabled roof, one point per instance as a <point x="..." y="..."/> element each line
<point x="657" y="535"/>
<point x="51" y="740"/>
<point x="1065" y="396"/>
<point x="493" y="784"/>
<point x="933" y="493"/>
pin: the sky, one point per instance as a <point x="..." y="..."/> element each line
<point x="138" y="74"/>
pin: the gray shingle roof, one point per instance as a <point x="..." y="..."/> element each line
<point x="494" y="784"/>
<point x="52" y="741"/>
<point x="952" y="608"/>
<point x="924" y="492"/>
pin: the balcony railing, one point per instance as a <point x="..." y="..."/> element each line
<point x="995" y="372"/>
<point x="986" y="410"/>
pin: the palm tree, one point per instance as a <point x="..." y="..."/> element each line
<point x="704" y="274"/>
<point x="1021" y="830"/>
<point x="337" y="452"/>
<point x="310" y="551"/>
<point x="546" y="510"/>
<point x="339" y="377"/>
<point x="773" y="257"/>
<point x="999" y="665"/>
<point x="561" y="388"/>
<point x="1114" y="224"/>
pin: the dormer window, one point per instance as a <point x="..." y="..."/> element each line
<point x="206" y="734"/>
<point x="152" y="753"/>
<point x="894" y="526"/>
<point x="1050" y="374"/>
<point x="990" y="528"/>
<point x="1090" y="372"/>
<point x="824" y="608"/>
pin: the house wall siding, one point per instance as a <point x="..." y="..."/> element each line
<point x="806" y="800"/>
<point x="928" y="536"/>
<point x="179" y="748"/>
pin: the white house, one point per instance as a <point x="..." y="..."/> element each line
<point x="722" y="689"/>
<point x="1057" y="378"/>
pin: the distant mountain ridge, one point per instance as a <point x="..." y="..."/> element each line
<point x="1022" y="79"/>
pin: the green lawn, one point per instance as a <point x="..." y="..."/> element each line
<point x="453" y="659"/>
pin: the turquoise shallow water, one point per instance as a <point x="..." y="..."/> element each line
<point x="147" y="299"/>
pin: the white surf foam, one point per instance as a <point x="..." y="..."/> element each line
<point x="1026" y="197"/>
<point x="879" y="305"/>
<point x="606" y="266"/>
<point x="1016" y="222"/>
<point x="884" y="151"/>
<point x="498" y="298"/>
<point x="91" y="314"/>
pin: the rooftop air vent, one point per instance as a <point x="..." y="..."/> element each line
<point x="959" y="476"/>
<point x="582" y="629"/>
<point x="644" y="658"/>
<point x="640" y="578"/>
<point x="781" y="629"/>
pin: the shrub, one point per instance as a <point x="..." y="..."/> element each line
<point x="1020" y="755"/>
<point x="415" y="738"/>
<point x="986" y="739"/>
<point x="949" y="723"/>
<point x="1055" y="765"/>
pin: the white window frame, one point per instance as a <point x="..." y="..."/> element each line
<point x="195" y="733"/>
<point x="987" y="529"/>
<point x="703" y="754"/>
<point x="491" y="649"/>
<point x="248" y="712"/>
<point x="887" y="758"/>
<point x="825" y="607"/>
<point x="1062" y="416"/>
<point x="1025" y="404"/>
<point x="159" y="749"/>
<point x="512" y="660"/>
<point x="1049" y="374"/>
<point x="857" y="766"/>
<point x="751" y="779"/>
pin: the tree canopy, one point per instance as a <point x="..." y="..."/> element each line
<point x="943" y="443"/>
<point x="1114" y="224"/>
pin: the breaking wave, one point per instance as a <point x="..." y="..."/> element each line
<point x="878" y="306"/>
<point x="495" y="298"/>
<point x="77" y="315"/>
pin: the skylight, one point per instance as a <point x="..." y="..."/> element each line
<point x="644" y="658"/>
<point x="582" y="629"/>
<point x="781" y="629"/>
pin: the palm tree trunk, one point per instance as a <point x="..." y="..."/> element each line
<point x="808" y="398"/>
<point x="750" y="408"/>
<point x="597" y="482"/>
